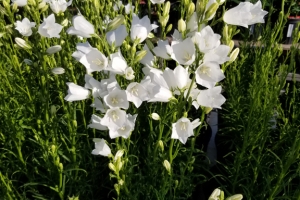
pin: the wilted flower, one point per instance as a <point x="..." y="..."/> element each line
<point x="53" y="49"/>
<point x="58" y="70"/>
<point x="101" y="148"/>
<point x="245" y="14"/>
<point x="81" y="27"/>
<point x="24" y="27"/>
<point x="49" y="28"/>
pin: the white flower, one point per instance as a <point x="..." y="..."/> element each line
<point x="219" y="55"/>
<point x="118" y="64"/>
<point x="101" y="148"/>
<point x="129" y="73"/>
<point x="117" y="99"/>
<point x="126" y="128"/>
<point x="129" y="8"/>
<point x="58" y="70"/>
<point x="24" y="27"/>
<point x="184" y="52"/>
<point x="207" y="39"/>
<point x="20" y="3"/>
<point x="118" y="5"/>
<point x="163" y="49"/>
<point x="148" y="59"/>
<point x="117" y="36"/>
<point x="208" y="74"/>
<point x="82" y="49"/>
<point x="136" y="93"/>
<point x="94" y="60"/>
<point x="245" y="14"/>
<point x="140" y="28"/>
<point x="58" y="6"/>
<point x="53" y="49"/>
<point x="183" y="129"/>
<point x="76" y="92"/>
<point x="96" y="123"/>
<point x="81" y="27"/>
<point x="49" y="28"/>
<point x="114" y="118"/>
<point x="157" y="1"/>
<point x="211" y="98"/>
<point x="155" y="116"/>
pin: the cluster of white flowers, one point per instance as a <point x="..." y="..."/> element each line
<point x="195" y="47"/>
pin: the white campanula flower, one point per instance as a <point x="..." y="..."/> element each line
<point x="136" y="93"/>
<point x="183" y="129"/>
<point x="20" y="3"/>
<point x="94" y="60"/>
<point x="117" y="99"/>
<point x="101" y="148"/>
<point x="163" y="49"/>
<point x="157" y="1"/>
<point x="129" y="73"/>
<point x="184" y="52"/>
<point x="118" y="5"/>
<point x="81" y="27"/>
<point x="53" y="49"/>
<point x="208" y="74"/>
<point x="58" y="6"/>
<point x="211" y="98"/>
<point x="128" y="8"/>
<point x="245" y="14"/>
<point x="76" y="92"/>
<point x="24" y="27"/>
<point x="49" y="28"/>
<point x="148" y="59"/>
<point x="218" y="55"/>
<point x="126" y="128"/>
<point x="96" y="123"/>
<point x="207" y="40"/>
<point x="82" y="49"/>
<point x="117" y="36"/>
<point x="140" y="28"/>
<point x="114" y="118"/>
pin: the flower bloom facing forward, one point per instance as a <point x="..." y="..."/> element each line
<point x="24" y="27"/>
<point x="101" y="148"/>
<point x="183" y="129"/>
<point x="81" y="27"/>
<point x="49" y="28"/>
<point x="184" y="52"/>
<point x="245" y="14"/>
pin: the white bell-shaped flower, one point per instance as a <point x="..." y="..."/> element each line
<point x="117" y="36"/>
<point x="208" y="74"/>
<point x="126" y="129"/>
<point x="24" y="27"/>
<point x="114" y="118"/>
<point x="183" y="129"/>
<point x="101" y="148"/>
<point x="76" y="92"/>
<point x="163" y="49"/>
<point x="184" y="52"/>
<point x="136" y="93"/>
<point x="211" y="98"/>
<point x="81" y="27"/>
<point x="218" y="55"/>
<point x="49" y="28"/>
<point x="96" y="123"/>
<point x="140" y="28"/>
<point x="94" y="60"/>
<point x="207" y="40"/>
<point x="117" y="99"/>
<point x="58" y="6"/>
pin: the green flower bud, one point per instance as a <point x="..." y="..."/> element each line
<point x="119" y="154"/>
<point x="151" y="35"/>
<point x="161" y="145"/>
<point x="117" y="188"/>
<point x="169" y="28"/>
<point x="3" y="10"/>
<point x="166" y="9"/>
<point x="53" y="148"/>
<point x="60" y="166"/>
<point x="6" y="5"/>
<point x="211" y="10"/>
<point x="231" y="44"/>
<point x="140" y="55"/>
<point x="167" y="166"/>
<point x="181" y="25"/>
<point x="149" y="44"/>
<point x="45" y="8"/>
<point x="65" y="22"/>
<point x="121" y="182"/>
<point x="163" y="20"/>
<point x="191" y="9"/>
<point x="234" y="54"/>
<point x="42" y="5"/>
<point x="15" y="7"/>
<point x="115" y="23"/>
<point x="112" y="167"/>
<point x="225" y="32"/>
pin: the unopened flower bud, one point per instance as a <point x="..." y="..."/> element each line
<point x="151" y="35"/>
<point x="167" y="166"/>
<point x="53" y="110"/>
<point x="225" y="32"/>
<point x="133" y="51"/>
<point x="65" y="22"/>
<point x="181" y="25"/>
<point x="200" y="6"/>
<point x="6" y="4"/>
<point x="15" y="7"/>
<point x="235" y="197"/>
<point x="58" y="70"/>
<point x="22" y="43"/>
<point x="191" y="9"/>
<point x="119" y="164"/>
<point x="234" y="54"/>
<point x="140" y="55"/>
<point x="231" y="44"/>
<point x="163" y="20"/>
<point x="61" y="167"/>
<point x="155" y="116"/>
<point x="117" y="188"/>
<point x="53" y="49"/>
<point x="3" y="10"/>
<point x="166" y="9"/>
<point x="53" y="148"/>
<point x="42" y="5"/>
<point x="121" y="182"/>
<point x="115" y="23"/>
<point x="211" y="10"/>
<point x="215" y="194"/>
<point x="112" y="167"/>
<point x="161" y="145"/>
<point x="149" y="44"/>
<point x="119" y="154"/>
<point x="169" y="28"/>
<point x="45" y="8"/>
